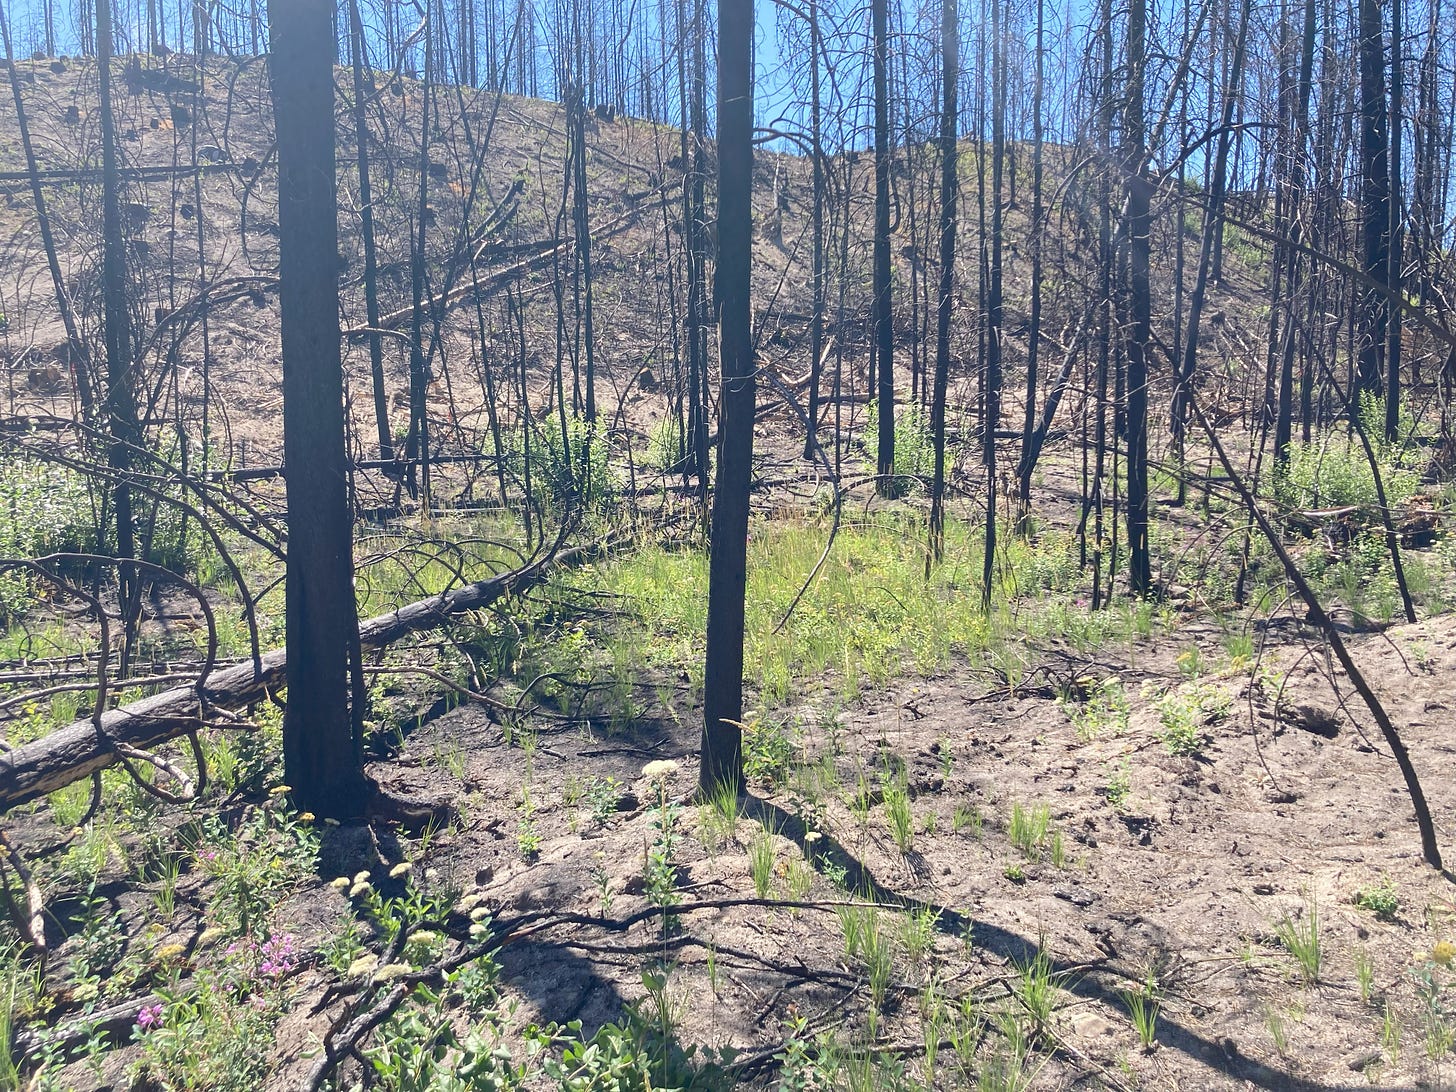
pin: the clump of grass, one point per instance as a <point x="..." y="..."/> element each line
<point x="1029" y="829"/>
<point x="761" y="862"/>
<point x="1301" y="938"/>
<point x="1365" y="974"/>
<point x="967" y="819"/>
<point x="897" y="813"/>
<point x="1143" y="1005"/>
<point x="1036" y="986"/>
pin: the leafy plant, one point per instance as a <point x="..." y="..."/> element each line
<point x="1104" y="711"/>
<point x="1185" y="713"/>
<point x="768" y="751"/>
<point x="1382" y="900"/>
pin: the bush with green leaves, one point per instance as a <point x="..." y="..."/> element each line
<point x="43" y="509"/>
<point x="1333" y="470"/>
<point x="566" y="472"/>
<point x="914" y="447"/>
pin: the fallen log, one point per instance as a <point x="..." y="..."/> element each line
<point x="78" y="750"/>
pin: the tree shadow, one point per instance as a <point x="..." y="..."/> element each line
<point x="826" y="854"/>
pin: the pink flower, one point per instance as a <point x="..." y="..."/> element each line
<point x="278" y="956"/>
<point x="150" y="1017"/>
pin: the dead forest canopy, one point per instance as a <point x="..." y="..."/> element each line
<point x="1069" y="329"/>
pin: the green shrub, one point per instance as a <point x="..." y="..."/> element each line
<point x="914" y="447"/>
<point x="43" y="509"/>
<point x="1333" y="471"/>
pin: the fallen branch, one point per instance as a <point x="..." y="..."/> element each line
<point x="34" y="914"/>
<point x="1320" y="619"/>
<point x="85" y="746"/>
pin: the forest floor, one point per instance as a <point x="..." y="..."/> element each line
<point x="1005" y="855"/>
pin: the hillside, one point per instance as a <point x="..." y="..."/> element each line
<point x="1070" y="839"/>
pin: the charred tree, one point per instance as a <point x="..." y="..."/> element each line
<point x="882" y="352"/>
<point x="722" y="748"/>
<point x="321" y="726"/>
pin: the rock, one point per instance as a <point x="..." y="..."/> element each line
<point x="1363" y="1059"/>
<point x="1091" y="1026"/>
<point x="484" y="875"/>
<point x="1310" y="717"/>
<point x="1077" y="896"/>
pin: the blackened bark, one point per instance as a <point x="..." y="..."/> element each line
<point x="884" y="332"/>
<point x="1139" y="299"/>
<point x="949" y="185"/>
<point x="1374" y="203"/>
<point x="366" y="226"/>
<point x="121" y="414"/>
<point x="321" y="739"/>
<point x="722" y="749"/>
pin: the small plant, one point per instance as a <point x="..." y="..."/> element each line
<point x="917" y="934"/>
<point x="1014" y="872"/>
<point x="768" y="752"/>
<point x="1143" y="1005"/>
<point x="1105" y="710"/>
<point x="947" y="758"/>
<point x="799" y="881"/>
<point x="1118" y="786"/>
<point x="659" y="872"/>
<point x="1382" y="900"/>
<point x="1438" y="1020"/>
<point x="1365" y="975"/>
<point x="967" y="819"/>
<point x="600" y="795"/>
<point x="1190" y="662"/>
<point x="1185" y="713"/>
<point x="1390" y="1032"/>
<point x="761" y="862"/>
<point x="528" y="838"/>
<point x="718" y="818"/>
<point x="603" y="880"/>
<point x="1057" y="851"/>
<point x="1278" y="1031"/>
<point x="1036" y="986"/>
<point x="1301" y="938"/>
<point x="1029" y="829"/>
<point x="1239" y="647"/>
<point x="897" y="813"/>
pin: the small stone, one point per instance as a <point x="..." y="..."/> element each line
<point x="1091" y="1026"/>
<point x="1077" y="896"/>
<point x="1363" y="1059"/>
<point x="484" y="875"/>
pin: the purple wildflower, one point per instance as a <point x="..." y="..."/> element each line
<point x="279" y="955"/>
<point x="150" y="1017"/>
